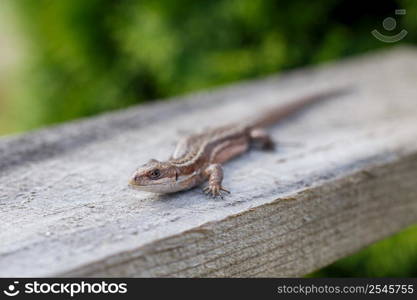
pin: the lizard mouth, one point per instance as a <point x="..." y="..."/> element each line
<point x="141" y="187"/>
<point x="135" y="187"/>
<point x="133" y="183"/>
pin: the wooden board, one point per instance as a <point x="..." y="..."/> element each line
<point x="344" y="175"/>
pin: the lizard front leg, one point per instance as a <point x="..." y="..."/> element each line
<point x="214" y="173"/>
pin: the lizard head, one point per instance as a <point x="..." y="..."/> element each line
<point x="155" y="177"/>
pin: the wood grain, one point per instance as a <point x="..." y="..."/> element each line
<point x="344" y="176"/>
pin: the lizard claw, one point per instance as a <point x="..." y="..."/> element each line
<point x="215" y="191"/>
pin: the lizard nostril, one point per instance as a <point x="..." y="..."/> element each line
<point x="134" y="180"/>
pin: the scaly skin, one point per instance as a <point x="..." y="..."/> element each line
<point x="199" y="158"/>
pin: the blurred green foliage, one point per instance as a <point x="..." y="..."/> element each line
<point x="85" y="57"/>
<point x="90" y="56"/>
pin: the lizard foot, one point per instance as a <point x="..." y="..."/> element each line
<point x="262" y="139"/>
<point x="215" y="190"/>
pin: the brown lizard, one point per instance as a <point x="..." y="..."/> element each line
<point x="199" y="157"/>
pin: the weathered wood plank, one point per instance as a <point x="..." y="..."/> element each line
<point x="344" y="176"/>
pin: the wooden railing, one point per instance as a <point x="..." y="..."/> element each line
<point x="343" y="176"/>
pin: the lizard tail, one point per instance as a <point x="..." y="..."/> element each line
<point x="283" y="111"/>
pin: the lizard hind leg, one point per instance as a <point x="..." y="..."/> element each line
<point x="214" y="172"/>
<point x="262" y="139"/>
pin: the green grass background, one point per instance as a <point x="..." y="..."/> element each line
<point x="76" y="58"/>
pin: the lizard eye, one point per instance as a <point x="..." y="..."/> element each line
<point x="154" y="174"/>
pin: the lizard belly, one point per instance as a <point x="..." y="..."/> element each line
<point x="228" y="150"/>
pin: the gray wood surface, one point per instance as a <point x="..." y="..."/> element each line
<point x="344" y="175"/>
